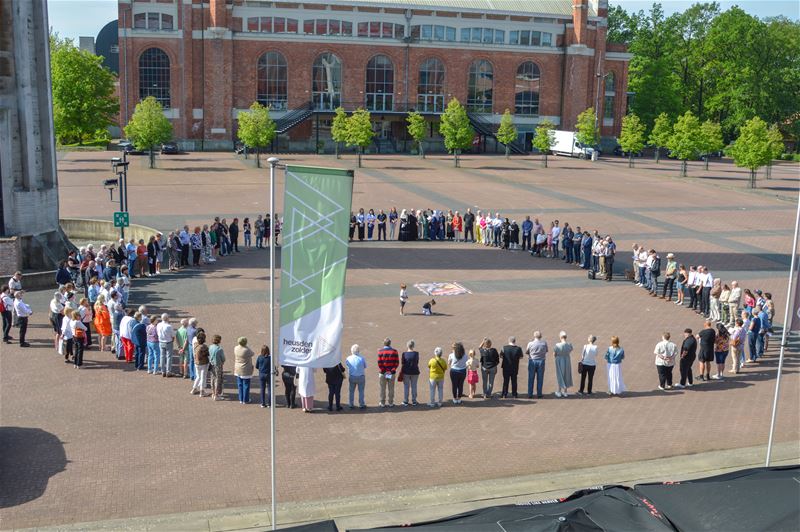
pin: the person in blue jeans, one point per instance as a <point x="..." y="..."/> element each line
<point x="264" y="367"/>
<point x="537" y="354"/>
<point x="191" y="332"/>
<point x="753" y="336"/>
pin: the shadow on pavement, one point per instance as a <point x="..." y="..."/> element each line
<point x="28" y="459"/>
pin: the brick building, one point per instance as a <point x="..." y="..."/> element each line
<point x="205" y="61"/>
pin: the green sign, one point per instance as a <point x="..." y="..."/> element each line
<point x="121" y="219"/>
<point x="314" y="263"/>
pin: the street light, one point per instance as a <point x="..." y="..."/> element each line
<point x="120" y="167"/>
<point x="600" y="79"/>
<point x="273" y="163"/>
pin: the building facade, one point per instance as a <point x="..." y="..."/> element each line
<point x="207" y="60"/>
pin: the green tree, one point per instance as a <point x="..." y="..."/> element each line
<point x="586" y="132"/>
<point x="710" y="140"/>
<point x="507" y="132"/>
<point x="686" y="140"/>
<point x="544" y="140"/>
<point x="456" y="129"/>
<point x="416" y="130"/>
<point x="359" y="131"/>
<point x="753" y="148"/>
<point x="256" y="129"/>
<point x="632" y="136"/>
<point x="84" y="104"/>
<point x="149" y="127"/>
<point x="776" y="142"/>
<point x="659" y="136"/>
<point x="339" y="129"/>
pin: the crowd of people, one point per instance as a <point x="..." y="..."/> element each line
<point x="91" y="307"/>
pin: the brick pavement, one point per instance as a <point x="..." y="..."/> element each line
<point x="124" y="444"/>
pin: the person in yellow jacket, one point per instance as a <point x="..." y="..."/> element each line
<point x="437" y="366"/>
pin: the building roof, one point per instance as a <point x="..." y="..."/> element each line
<point x="512" y="7"/>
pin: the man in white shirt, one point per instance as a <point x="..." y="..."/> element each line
<point x="555" y="233"/>
<point x="125" y="335"/>
<point x="665" y="353"/>
<point x="497" y="229"/>
<point x="705" y="302"/>
<point x="642" y="265"/>
<point x="23" y="312"/>
<point x="166" y="339"/>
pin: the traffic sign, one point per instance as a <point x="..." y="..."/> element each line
<point x="121" y="219"/>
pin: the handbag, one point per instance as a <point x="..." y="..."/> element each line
<point x="580" y="367"/>
<point x="400" y="376"/>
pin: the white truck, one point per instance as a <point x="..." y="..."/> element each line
<point x="566" y="143"/>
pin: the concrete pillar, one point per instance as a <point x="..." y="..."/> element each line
<point x="29" y="201"/>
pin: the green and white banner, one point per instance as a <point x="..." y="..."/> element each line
<point x="313" y="265"/>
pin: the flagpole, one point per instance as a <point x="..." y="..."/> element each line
<point x="788" y="315"/>
<point x="273" y="162"/>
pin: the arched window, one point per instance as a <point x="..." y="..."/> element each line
<point x="326" y="82"/>
<point x="154" y="76"/>
<point x="272" y="90"/>
<point x="526" y="89"/>
<point x="380" y="84"/>
<point x="479" y="87"/>
<point x="608" y="100"/>
<point x="430" y="90"/>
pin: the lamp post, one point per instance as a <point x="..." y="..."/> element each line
<point x="122" y="163"/>
<point x="600" y="79"/>
<point x="273" y="163"/>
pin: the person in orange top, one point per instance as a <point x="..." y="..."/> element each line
<point x="102" y="321"/>
<point x="458" y="226"/>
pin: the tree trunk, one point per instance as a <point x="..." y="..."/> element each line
<point x="455" y="159"/>
<point x="705" y="159"/>
<point x="152" y="158"/>
<point x="684" y="165"/>
<point x="508" y="151"/>
<point x="258" y="157"/>
<point x="768" y="172"/>
<point x="658" y="154"/>
<point x="336" y="149"/>
<point x="246" y="154"/>
<point x="359" y="156"/>
<point x="630" y="160"/>
<point x="545" y="160"/>
<point x="752" y="178"/>
<point x="421" y="150"/>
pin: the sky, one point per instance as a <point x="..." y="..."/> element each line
<point x="74" y="18"/>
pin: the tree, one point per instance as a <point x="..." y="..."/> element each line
<point x="632" y="136"/>
<point x="662" y="131"/>
<point x="84" y="104"/>
<point x="710" y="140"/>
<point x="256" y="129"/>
<point x="753" y="148"/>
<point x="685" y="142"/>
<point x="586" y="132"/>
<point x="776" y="142"/>
<point x="339" y="129"/>
<point x="544" y="139"/>
<point x="416" y="130"/>
<point x="507" y="132"/>
<point x="359" y="131"/>
<point x="456" y="129"/>
<point x="149" y="127"/>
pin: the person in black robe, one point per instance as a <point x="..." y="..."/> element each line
<point x="412" y="226"/>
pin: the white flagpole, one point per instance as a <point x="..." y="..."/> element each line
<point x="788" y="315"/>
<point x="273" y="162"/>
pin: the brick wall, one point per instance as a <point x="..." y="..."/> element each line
<point x="10" y="256"/>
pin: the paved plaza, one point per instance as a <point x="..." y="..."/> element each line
<point x="106" y="442"/>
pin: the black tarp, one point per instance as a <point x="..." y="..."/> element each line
<point x="760" y="499"/>
<point x="605" y="508"/>
<point x="748" y="500"/>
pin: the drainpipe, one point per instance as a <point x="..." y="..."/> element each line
<point x="563" y="76"/>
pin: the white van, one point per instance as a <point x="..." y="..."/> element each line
<point x="566" y="143"/>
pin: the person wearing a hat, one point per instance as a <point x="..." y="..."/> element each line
<point x="670" y="274"/>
